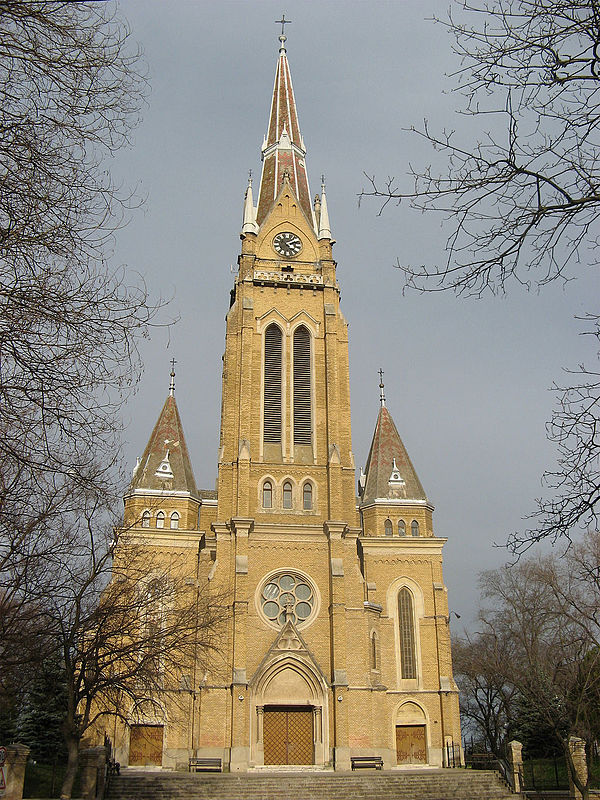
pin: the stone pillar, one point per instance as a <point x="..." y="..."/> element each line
<point x="93" y="772"/>
<point x="515" y="760"/>
<point x="577" y="750"/>
<point x="14" y="771"/>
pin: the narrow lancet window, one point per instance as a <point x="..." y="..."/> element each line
<point x="302" y="388"/>
<point x="387" y="527"/>
<point x="414" y="527"/>
<point x="267" y="495"/>
<point x="307" y="494"/>
<point x="406" y="621"/>
<point x="287" y="495"/>
<point x="160" y="519"/>
<point x="401" y="527"/>
<point x="272" y="397"/>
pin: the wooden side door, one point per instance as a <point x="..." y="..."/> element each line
<point x="145" y="745"/>
<point x="411" y="744"/>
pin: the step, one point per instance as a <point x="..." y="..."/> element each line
<point x="456" y="784"/>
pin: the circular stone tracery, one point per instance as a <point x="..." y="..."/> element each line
<point x="287" y="593"/>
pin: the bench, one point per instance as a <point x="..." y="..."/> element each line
<point x="363" y="762"/>
<point x="208" y="764"/>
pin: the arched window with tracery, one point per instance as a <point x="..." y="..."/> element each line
<point x="160" y="519"/>
<point x="174" y="520"/>
<point x="272" y="388"/>
<point x="388" y="528"/>
<point x="307" y="496"/>
<point x="401" y="527"/>
<point x="406" y="621"/>
<point x="414" y="527"/>
<point x="287" y="495"/>
<point x="267" y="494"/>
<point x="146" y="519"/>
<point x="302" y="387"/>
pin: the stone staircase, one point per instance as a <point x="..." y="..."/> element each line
<point x="446" y="784"/>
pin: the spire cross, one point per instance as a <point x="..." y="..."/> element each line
<point x="283" y="21"/>
<point x="381" y="388"/>
<point x="172" y="384"/>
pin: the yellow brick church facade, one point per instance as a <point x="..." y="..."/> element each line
<point x="336" y="643"/>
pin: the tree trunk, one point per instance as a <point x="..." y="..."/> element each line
<point x="73" y="756"/>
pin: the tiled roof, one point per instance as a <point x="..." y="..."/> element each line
<point x="284" y="148"/>
<point x="166" y="448"/>
<point x="385" y="447"/>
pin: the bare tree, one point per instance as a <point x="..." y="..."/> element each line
<point x="481" y="663"/>
<point x="127" y="623"/>
<point x="522" y="203"/>
<point x="543" y="613"/>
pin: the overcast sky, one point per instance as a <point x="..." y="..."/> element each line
<point x="467" y="381"/>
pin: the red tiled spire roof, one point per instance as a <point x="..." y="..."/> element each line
<point x="386" y="447"/>
<point x="283" y="149"/>
<point x="166" y="454"/>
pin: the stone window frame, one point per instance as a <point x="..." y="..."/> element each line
<point x="174" y="517"/>
<point x="145" y="518"/>
<point x="418" y="614"/>
<point x="160" y="519"/>
<point x="268" y="577"/>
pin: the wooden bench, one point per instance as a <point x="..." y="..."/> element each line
<point x="208" y="764"/>
<point x="363" y="762"/>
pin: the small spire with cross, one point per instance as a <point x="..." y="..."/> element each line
<point x="282" y="37"/>
<point x="381" y="389"/>
<point x="172" y="384"/>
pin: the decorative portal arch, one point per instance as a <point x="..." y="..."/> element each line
<point x="411" y="735"/>
<point x="288" y="702"/>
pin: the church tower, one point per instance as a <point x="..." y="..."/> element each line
<point x="337" y="638"/>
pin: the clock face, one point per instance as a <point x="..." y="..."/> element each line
<point x="287" y="244"/>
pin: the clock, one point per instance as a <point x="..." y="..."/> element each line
<point x="287" y="244"/>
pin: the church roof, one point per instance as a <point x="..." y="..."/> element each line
<point x="387" y="458"/>
<point x="166" y="462"/>
<point x="283" y="148"/>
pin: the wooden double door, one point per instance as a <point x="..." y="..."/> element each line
<point x="411" y="744"/>
<point x="145" y="745"/>
<point x="288" y="735"/>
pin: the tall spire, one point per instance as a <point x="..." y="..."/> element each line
<point x="249" y="224"/>
<point x="283" y="149"/>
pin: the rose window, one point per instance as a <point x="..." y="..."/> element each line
<point x="287" y="596"/>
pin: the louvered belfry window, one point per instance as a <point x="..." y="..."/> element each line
<point x="272" y="406"/>
<point x="302" y="404"/>
<point x="408" y="654"/>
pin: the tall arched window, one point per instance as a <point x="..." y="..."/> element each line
<point x="401" y="527"/>
<point x="175" y="520"/>
<point x="287" y="495"/>
<point x="267" y="494"/>
<point x="388" y="528"/>
<point x="146" y="519"/>
<point x="307" y="496"/>
<point x="272" y="396"/>
<point x="408" y="657"/>
<point x="302" y="404"/>
<point x="160" y="519"/>
<point x="414" y="527"/>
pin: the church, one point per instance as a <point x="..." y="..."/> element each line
<point x="337" y="642"/>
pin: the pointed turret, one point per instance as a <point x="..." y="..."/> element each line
<point x="389" y="472"/>
<point x="324" y="226"/>
<point x="283" y="148"/>
<point x="166" y="463"/>
<point x="249" y="224"/>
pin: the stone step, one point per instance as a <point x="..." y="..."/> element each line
<point x="423" y="785"/>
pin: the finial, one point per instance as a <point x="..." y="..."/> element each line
<point x="172" y="384"/>
<point x="323" y="183"/>
<point x="249" y="177"/>
<point x="283" y="38"/>
<point x="381" y="387"/>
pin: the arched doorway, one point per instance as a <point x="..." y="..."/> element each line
<point x="288" y="703"/>
<point x="411" y="735"/>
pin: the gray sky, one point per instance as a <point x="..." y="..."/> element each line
<point x="467" y="381"/>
